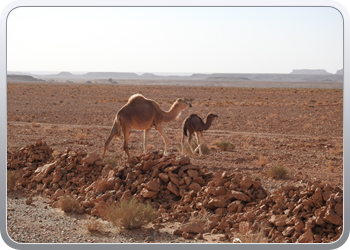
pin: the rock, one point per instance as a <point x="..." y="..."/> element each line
<point x="333" y="218"/>
<point x="91" y="158"/>
<point x="338" y="209"/>
<point x="148" y="194"/>
<point x="195" y="187"/>
<point x="148" y="165"/>
<point x="238" y="195"/>
<point x="164" y="177"/>
<point x="246" y="183"/>
<point x="193" y="227"/>
<point x="307" y="237"/>
<point x="192" y="173"/>
<point x="173" y="188"/>
<point x="278" y="220"/>
<point x="184" y="160"/>
<point x="288" y="231"/>
<point x="153" y="185"/>
<point x="42" y="172"/>
<point x="219" y="201"/>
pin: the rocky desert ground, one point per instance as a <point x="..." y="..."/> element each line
<point x="56" y="134"/>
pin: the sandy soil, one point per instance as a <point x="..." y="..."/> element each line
<point x="299" y="129"/>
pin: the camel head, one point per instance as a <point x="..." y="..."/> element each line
<point x="212" y="117"/>
<point x="183" y="103"/>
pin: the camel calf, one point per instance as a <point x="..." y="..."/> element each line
<point x="195" y="125"/>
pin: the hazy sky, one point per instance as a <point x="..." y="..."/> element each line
<point x="175" y="39"/>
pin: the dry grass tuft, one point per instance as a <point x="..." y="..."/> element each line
<point x="225" y="146"/>
<point x="80" y="136"/>
<point x="262" y="161"/>
<point x="112" y="161"/>
<point x="94" y="226"/>
<point x="68" y="204"/>
<point x="130" y="214"/>
<point x="12" y="176"/>
<point x="277" y="172"/>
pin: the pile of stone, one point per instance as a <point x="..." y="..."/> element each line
<point x="223" y="203"/>
<point x="33" y="155"/>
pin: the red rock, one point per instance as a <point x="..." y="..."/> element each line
<point x="195" y="187"/>
<point x="278" y="220"/>
<point x="153" y="185"/>
<point x="238" y="195"/>
<point x="91" y="158"/>
<point x="173" y="188"/>
<point x="219" y="201"/>
<point x="307" y="237"/>
<point x="193" y="227"/>
<point x="246" y="183"/>
<point x="42" y="172"/>
<point x="164" y="177"/>
<point x="147" y="193"/>
<point x="333" y="218"/>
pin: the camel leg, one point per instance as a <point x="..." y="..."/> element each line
<point x="161" y="132"/>
<point x="127" y="132"/>
<point x="145" y="139"/>
<point x="189" y="142"/>
<point x="109" y="139"/>
<point x="198" y="138"/>
<point x="182" y="144"/>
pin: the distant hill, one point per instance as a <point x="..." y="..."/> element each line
<point x="302" y="75"/>
<point x="340" y="72"/>
<point x="310" y="72"/>
<point x="22" y="78"/>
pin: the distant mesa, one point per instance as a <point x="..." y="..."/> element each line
<point x="22" y="78"/>
<point x="340" y="72"/>
<point x="310" y="72"/>
<point x="65" y="73"/>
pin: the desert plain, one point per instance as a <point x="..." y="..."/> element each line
<point x="297" y="128"/>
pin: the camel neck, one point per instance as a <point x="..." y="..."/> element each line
<point x="207" y="124"/>
<point x="172" y="113"/>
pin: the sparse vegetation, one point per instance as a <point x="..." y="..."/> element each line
<point x="12" y="177"/>
<point x="278" y="172"/>
<point x="68" y="204"/>
<point x="94" y="226"/>
<point x="262" y="161"/>
<point x="225" y="146"/>
<point x="111" y="160"/>
<point x="130" y="214"/>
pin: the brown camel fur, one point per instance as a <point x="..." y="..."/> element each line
<point x="142" y="114"/>
<point x="195" y="125"/>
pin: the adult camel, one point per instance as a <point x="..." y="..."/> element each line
<point x="141" y="113"/>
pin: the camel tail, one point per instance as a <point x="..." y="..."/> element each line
<point x="114" y="132"/>
<point x="184" y="129"/>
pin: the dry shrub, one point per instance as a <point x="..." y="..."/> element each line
<point x="112" y="161"/>
<point x="130" y="214"/>
<point x="262" y="161"/>
<point x="278" y="172"/>
<point x="225" y="146"/>
<point x="94" y="226"/>
<point x="68" y="204"/>
<point x="12" y="177"/>
<point x="252" y="238"/>
<point x="80" y="136"/>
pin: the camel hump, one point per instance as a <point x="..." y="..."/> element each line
<point x="136" y="96"/>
